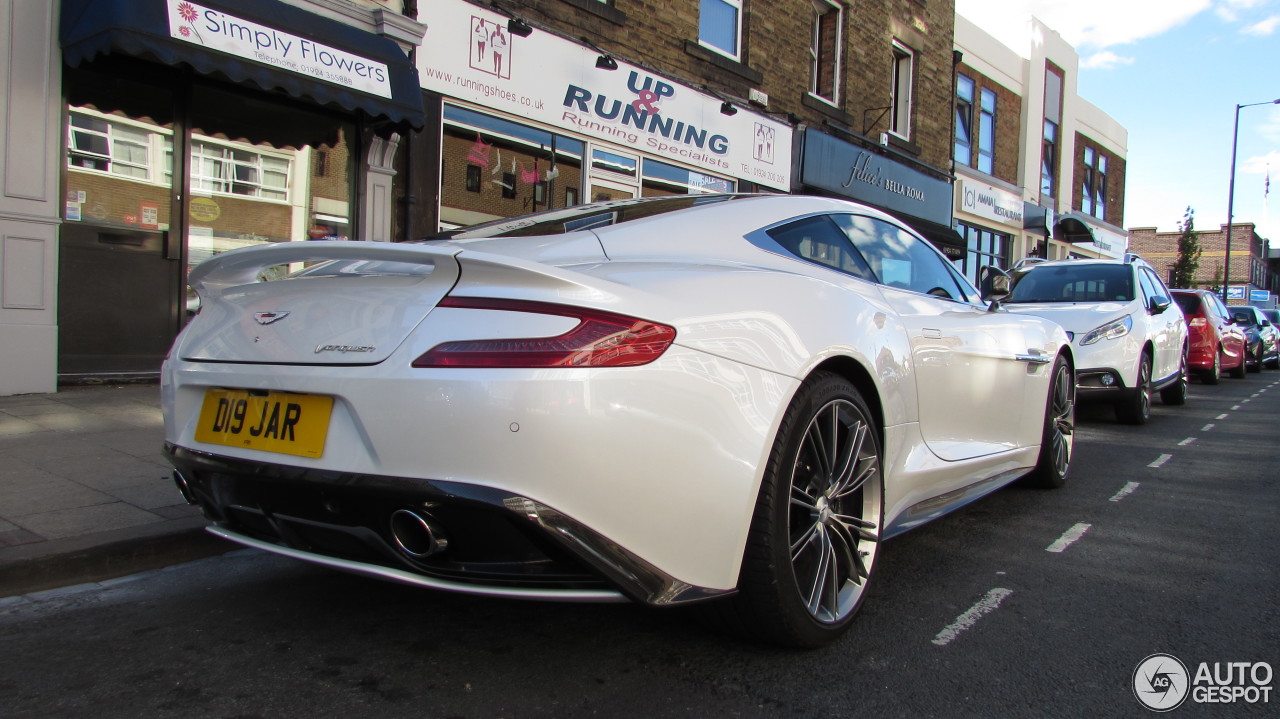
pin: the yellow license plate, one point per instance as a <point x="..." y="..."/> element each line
<point x="283" y="422"/>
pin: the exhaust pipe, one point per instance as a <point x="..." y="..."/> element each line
<point x="416" y="535"/>
<point x="184" y="487"/>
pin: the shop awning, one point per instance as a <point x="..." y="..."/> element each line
<point x="1073" y="229"/>
<point x="943" y="237"/>
<point x="220" y="40"/>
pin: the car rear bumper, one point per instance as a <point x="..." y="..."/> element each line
<point x="483" y="541"/>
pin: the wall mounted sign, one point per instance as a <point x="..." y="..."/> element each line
<point x="469" y="54"/>
<point x="217" y="30"/>
<point x="860" y="174"/>
<point x="989" y="203"/>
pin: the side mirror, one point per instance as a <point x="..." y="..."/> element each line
<point x="994" y="284"/>
<point x="1160" y="304"/>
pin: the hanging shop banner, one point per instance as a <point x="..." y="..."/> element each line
<point x="989" y="203"/>
<point x="217" y="30"/>
<point x="469" y="53"/>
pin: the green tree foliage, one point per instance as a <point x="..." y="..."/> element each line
<point x="1189" y="251"/>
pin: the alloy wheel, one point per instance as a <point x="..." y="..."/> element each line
<point x="835" y="504"/>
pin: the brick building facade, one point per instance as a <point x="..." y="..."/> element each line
<point x="1249" y="258"/>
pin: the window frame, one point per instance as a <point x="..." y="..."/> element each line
<point x="113" y="137"/>
<point x="986" y="145"/>
<point x="964" y="119"/>
<point x="1093" y="191"/>
<point x="823" y="9"/>
<point x="902" y="78"/>
<point x="228" y="178"/>
<point x="736" y="5"/>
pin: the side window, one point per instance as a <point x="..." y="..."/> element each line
<point x="900" y="259"/>
<point x="1153" y="287"/>
<point x="818" y="240"/>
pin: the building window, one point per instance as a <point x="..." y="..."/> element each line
<point x="473" y="178"/>
<point x="720" y="26"/>
<point x="985" y="247"/>
<point x="824" y="50"/>
<point x="900" y="101"/>
<point x="964" y="120"/>
<point x="1051" y="143"/>
<point x="508" y="185"/>
<point x="987" y="132"/>
<point x="95" y="143"/>
<point x="1093" y="198"/>
<point x="238" y="171"/>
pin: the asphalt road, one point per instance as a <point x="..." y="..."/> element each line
<point x="1028" y="603"/>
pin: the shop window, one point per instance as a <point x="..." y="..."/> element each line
<point x="900" y="92"/>
<point x="824" y="50"/>
<point x="984" y="247"/>
<point x="661" y="178"/>
<point x="964" y="120"/>
<point x="987" y="132"/>
<point x="720" y="26"/>
<point x="492" y="166"/>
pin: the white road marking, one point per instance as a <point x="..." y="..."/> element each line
<point x="1069" y="538"/>
<point x="1186" y="441"/>
<point x="1235" y="407"/>
<point x="986" y="605"/>
<point x="1160" y="461"/>
<point x="1224" y="415"/>
<point x="1207" y="427"/>
<point x="1125" y="491"/>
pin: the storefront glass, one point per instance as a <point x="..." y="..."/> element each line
<point x="494" y="168"/>
<point x="984" y="247"/>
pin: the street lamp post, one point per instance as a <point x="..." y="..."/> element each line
<point x="1231" y="195"/>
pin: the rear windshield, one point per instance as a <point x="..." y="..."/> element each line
<point x="583" y="217"/>
<point x="1190" y="304"/>
<point x="1075" y="283"/>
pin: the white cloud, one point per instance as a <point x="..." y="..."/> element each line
<point x="1082" y="23"/>
<point x="1105" y="60"/>
<point x="1263" y="28"/>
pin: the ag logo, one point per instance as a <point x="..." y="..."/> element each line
<point x="1161" y="682"/>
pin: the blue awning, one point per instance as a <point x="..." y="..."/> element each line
<point x="140" y="28"/>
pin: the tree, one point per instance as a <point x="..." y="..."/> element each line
<point x="1189" y="251"/>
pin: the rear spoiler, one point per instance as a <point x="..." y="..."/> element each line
<point x="241" y="266"/>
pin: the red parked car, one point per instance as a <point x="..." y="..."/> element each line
<point x="1217" y="344"/>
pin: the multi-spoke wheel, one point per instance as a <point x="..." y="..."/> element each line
<point x="1137" y="408"/>
<point x="1058" y="438"/>
<point x="1213" y="375"/>
<point x="816" y="529"/>
<point x="1176" y="393"/>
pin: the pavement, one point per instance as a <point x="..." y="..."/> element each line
<point x="86" y="494"/>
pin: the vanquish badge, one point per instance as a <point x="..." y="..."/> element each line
<point x="266" y="318"/>
<point x="345" y="348"/>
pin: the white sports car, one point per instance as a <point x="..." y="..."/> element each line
<point x="668" y="400"/>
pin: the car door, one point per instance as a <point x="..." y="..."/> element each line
<point x="1168" y="328"/>
<point x="981" y="387"/>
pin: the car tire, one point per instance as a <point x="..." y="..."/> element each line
<point x="1176" y="394"/>
<point x="822" y="492"/>
<point x="1213" y="375"/>
<point x="1136" y="409"/>
<point x="1057" y="442"/>
<point x="1238" y="372"/>
<point x="1257" y="362"/>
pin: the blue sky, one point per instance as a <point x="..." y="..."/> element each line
<point x="1172" y="72"/>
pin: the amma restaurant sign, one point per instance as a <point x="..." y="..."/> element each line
<point x="989" y="203"/>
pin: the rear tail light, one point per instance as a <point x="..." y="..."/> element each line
<point x="600" y="339"/>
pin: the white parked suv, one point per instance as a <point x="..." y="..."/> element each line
<point x="1128" y="335"/>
